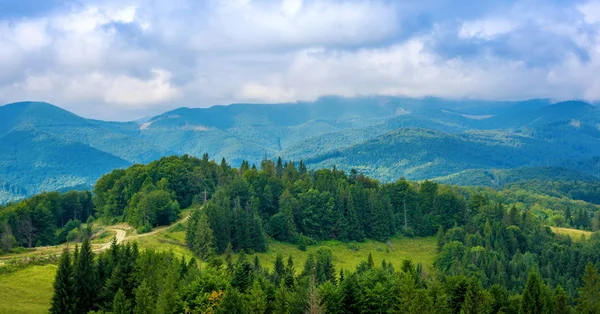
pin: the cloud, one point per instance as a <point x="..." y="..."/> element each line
<point x="125" y="59"/>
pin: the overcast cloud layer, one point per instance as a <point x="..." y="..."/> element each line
<point x="126" y="59"/>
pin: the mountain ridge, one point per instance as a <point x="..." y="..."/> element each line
<point x="386" y="137"/>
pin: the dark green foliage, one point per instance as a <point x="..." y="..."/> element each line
<point x="144" y="302"/>
<point x="85" y="274"/>
<point x="589" y="294"/>
<point x="64" y="297"/>
<point x="199" y="235"/>
<point x="120" y="304"/>
<point x="46" y="218"/>
<point x="561" y="305"/>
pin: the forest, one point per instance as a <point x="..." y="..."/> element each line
<point x="496" y="252"/>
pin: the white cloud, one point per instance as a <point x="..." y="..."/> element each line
<point x="142" y="56"/>
<point x="590" y="11"/>
<point x="131" y="91"/>
<point x="486" y="29"/>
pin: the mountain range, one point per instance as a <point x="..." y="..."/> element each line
<point x="468" y="142"/>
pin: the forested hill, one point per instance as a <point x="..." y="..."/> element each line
<point x="496" y="251"/>
<point x="385" y="137"/>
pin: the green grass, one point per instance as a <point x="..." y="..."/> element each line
<point x="28" y="290"/>
<point x="575" y="234"/>
<point x="347" y="256"/>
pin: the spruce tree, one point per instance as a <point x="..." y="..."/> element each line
<point x="63" y="300"/>
<point x="282" y="303"/>
<point x="533" y="301"/>
<point x="589" y="294"/>
<point x="120" y="303"/>
<point x="561" y="302"/>
<point x="86" y="285"/>
<point x="257" y="299"/>
<point x="243" y="275"/>
<point x="278" y="269"/>
<point x="204" y="241"/>
<point x="144" y="302"/>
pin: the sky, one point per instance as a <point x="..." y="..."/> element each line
<point x="127" y="59"/>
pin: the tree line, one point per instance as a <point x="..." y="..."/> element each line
<point x="125" y="280"/>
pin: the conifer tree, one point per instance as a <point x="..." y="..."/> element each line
<point x="204" y="241"/>
<point x="533" y="301"/>
<point x="370" y="262"/>
<point x="561" y="303"/>
<point x="290" y="272"/>
<point x="589" y="294"/>
<point x="257" y="299"/>
<point x="278" y="269"/>
<point x="63" y="300"/>
<point x="354" y="230"/>
<point x="243" y="275"/>
<point x="144" y="302"/>
<point x="120" y="303"/>
<point x="282" y="303"/>
<point x="86" y="285"/>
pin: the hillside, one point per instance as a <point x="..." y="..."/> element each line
<point x="33" y="161"/>
<point x="297" y="231"/>
<point x="502" y="177"/>
<point x="386" y="137"/>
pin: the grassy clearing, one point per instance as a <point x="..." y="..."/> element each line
<point x="348" y="255"/>
<point x="28" y="290"/>
<point x="575" y="234"/>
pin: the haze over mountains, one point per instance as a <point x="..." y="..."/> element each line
<point x="471" y="142"/>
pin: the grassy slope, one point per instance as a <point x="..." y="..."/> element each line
<point x="346" y="256"/>
<point x="28" y="290"/>
<point x="575" y="234"/>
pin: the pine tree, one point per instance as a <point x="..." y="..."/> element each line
<point x="86" y="285"/>
<point x="351" y="294"/>
<point x="533" y="301"/>
<point x="589" y="294"/>
<point x="229" y="258"/>
<point x="204" y="241"/>
<point x="257" y="299"/>
<point x="290" y="272"/>
<point x="257" y="235"/>
<point x="422" y="303"/>
<point x="282" y="304"/>
<point x="120" y="303"/>
<point x="278" y="269"/>
<point x="561" y="302"/>
<point x="144" y="302"/>
<point x="63" y="300"/>
<point x="243" y="275"/>
<point x="354" y="230"/>
<point x="370" y="262"/>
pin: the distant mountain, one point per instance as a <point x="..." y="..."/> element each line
<point x="497" y="178"/>
<point x="34" y="161"/>
<point x="461" y="141"/>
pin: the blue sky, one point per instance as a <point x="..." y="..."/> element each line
<point x="126" y="59"/>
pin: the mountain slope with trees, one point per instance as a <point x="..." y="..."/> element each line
<point x="412" y="137"/>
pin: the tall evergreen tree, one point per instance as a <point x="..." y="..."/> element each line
<point x="257" y="299"/>
<point x="561" y="302"/>
<point x="120" y="303"/>
<point x="204" y="241"/>
<point x="86" y="285"/>
<point x="144" y="301"/>
<point x="534" y="301"/>
<point x="63" y="300"/>
<point x="589" y="294"/>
